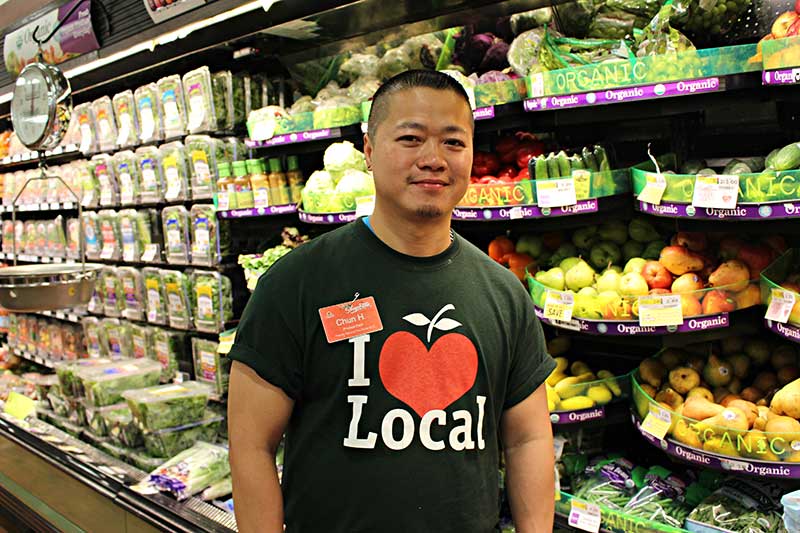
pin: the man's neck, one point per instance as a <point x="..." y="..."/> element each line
<point x="417" y="238"/>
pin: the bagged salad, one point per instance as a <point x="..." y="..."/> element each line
<point x="175" y="171"/>
<point x="132" y="285"/>
<point x="167" y="350"/>
<point x="662" y="498"/>
<point x="155" y="296"/>
<point x="199" y="101"/>
<point x="222" y="85"/>
<point x="113" y="296"/>
<point x="175" y="220"/>
<point x="741" y="506"/>
<point x="108" y="222"/>
<point x="210" y="366"/>
<point x="103" y="111"/>
<point x="149" y="113"/>
<point x="128" y="177"/>
<point x="177" y="287"/>
<point x="212" y="301"/>
<point x="91" y="232"/>
<point x="209" y="237"/>
<point x="125" y="115"/>
<point x="151" y="188"/>
<point x="167" y="406"/>
<point x="95" y="339"/>
<point x="192" y="471"/>
<point x="142" y="341"/>
<point x="203" y="153"/>
<point x="170" y="94"/>
<point x="171" y="441"/>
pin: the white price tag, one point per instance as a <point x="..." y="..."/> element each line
<point x="173" y="183"/>
<point x="515" y="213"/>
<point x="365" y="205"/>
<point x="660" y="310"/>
<point x="86" y="138"/>
<point x="556" y="193"/>
<point x="222" y="201"/>
<point x="653" y="189"/>
<point x="780" y="306"/>
<point x="197" y="112"/>
<point x="150" y="252"/>
<point x="657" y="422"/>
<point x="107" y="252"/>
<point x="68" y="205"/>
<point x="585" y="516"/>
<point x="537" y="85"/>
<point x="153" y="303"/>
<point x="716" y="192"/>
<point x="559" y="306"/>
<point x="45" y="259"/>
<point x="148" y="123"/>
<point x="124" y="129"/>
<point x="105" y="129"/>
<point x="125" y="188"/>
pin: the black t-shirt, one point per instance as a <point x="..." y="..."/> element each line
<point x="395" y="431"/>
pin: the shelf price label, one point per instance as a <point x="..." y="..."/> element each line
<point x="19" y="406"/>
<point x="556" y="193"/>
<point x="365" y="205"/>
<point x="585" y="516"/>
<point x="716" y="192"/>
<point x="657" y="422"/>
<point x="654" y="189"/>
<point x="559" y="306"/>
<point x="660" y="310"/>
<point x="780" y="306"/>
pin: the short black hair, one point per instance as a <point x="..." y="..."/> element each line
<point x="409" y="80"/>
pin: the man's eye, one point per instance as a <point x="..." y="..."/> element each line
<point x="409" y="139"/>
<point x="456" y="142"/>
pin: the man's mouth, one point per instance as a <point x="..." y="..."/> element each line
<point x="430" y="183"/>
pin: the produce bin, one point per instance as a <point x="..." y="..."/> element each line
<point x="783" y="273"/>
<point x="104" y="385"/>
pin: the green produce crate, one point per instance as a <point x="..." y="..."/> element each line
<point x="779" y="273"/>
<point x="618" y="521"/>
<point x="781" y="53"/>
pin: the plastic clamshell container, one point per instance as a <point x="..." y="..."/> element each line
<point x="151" y="189"/>
<point x="84" y="118"/>
<point x="149" y="113"/>
<point x="130" y="235"/>
<point x="105" y="385"/>
<point x="103" y="170"/>
<point x="95" y="337"/>
<point x="113" y="296"/>
<point x="205" y="235"/>
<point x="167" y="350"/>
<point x="222" y="86"/>
<point x="175" y="221"/>
<point x="155" y="296"/>
<point x="127" y="120"/>
<point x="199" y="100"/>
<point x="132" y="292"/>
<point x="128" y="177"/>
<point x="168" y="406"/>
<point x="210" y="366"/>
<point x="69" y="382"/>
<point x="56" y="239"/>
<point x="177" y="287"/>
<point x="96" y="417"/>
<point x="91" y="233"/>
<point x="175" y="171"/>
<point x="141" y="341"/>
<point x="117" y="336"/>
<point x="105" y="124"/>
<point x="173" y="106"/>
<point x="122" y="428"/>
<point x="111" y="243"/>
<point x="212" y="301"/>
<point x="203" y="153"/>
<point x="171" y="441"/>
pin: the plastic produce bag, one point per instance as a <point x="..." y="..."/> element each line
<point x="209" y="237"/>
<point x="141" y="341"/>
<point x="149" y="113"/>
<point x="575" y="17"/>
<point x="91" y="232"/>
<point x="125" y="115"/>
<point x="222" y="85"/>
<point x="171" y="441"/>
<point x="659" y="38"/>
<point x="523" y="54"/>
<point x="210" y="366"/>
<point x="393" y="62"/>
<point x="192" y="470"/>
<point x="177" y="286"/>
<point x="359" y="66"/>
<point x="607" y="482"/>
<point x="212" y="301"/>
<point x="661" y="499"/>
<point x="105" y="385"/>
<point x="203" y="153"/>
<point x="218" y="490"/>
<point x="108" y="223"/>
<point x="151" y="189"/>
<point x="155" y="296"/>
<point x="170" y="93"/>
<point x="103" y="111"/>
<point x="742" y="506"/>
<point x="118" y="337"/>
<point x="199" y="101"/>
<point x="363" y="89"/>
<point x="175" y="171"/>
<point x="168" y="406"/>
<point x="529" y="20"/>
<point x="167" y="350"/>
<point x="133" y="292"/>
<point x="175" y="221"/>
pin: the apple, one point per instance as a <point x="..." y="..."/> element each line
<point x="604" y="254"/>
<point x="633" y="284"/>
<point x="634" y="265"/>
<point x="756" y="257"/>
<point x="794" y="28"/>
<point x="584" y="238"/>
<point x="688" y="283"/>
<point x="656" y="276"/>
<point x="608" y="280"/>
<point x="732" y="274"/>
<point x="690" y="306"/>
<point x="616" y="232"/>
<point x="678" y="260"/>
<point x="655" y="292"/>
<point x="780" y="27"/>
<point x="717" y="301"/>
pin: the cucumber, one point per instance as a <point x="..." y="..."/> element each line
<point x="707" y="172"/>
<point x="552" y="166"/>
<point x="731" y="165"/>
<point x="771" y="158"/>
<point x="602" y="158"/>
<point x="540" y="168"/>
<point x="589" y="160"/>
<point x="738" y="169"/>
<point x="576" y="162"/>
<point x="563" y="164"/>
<point x="788" y="158"/>
<point x="756" y="164"/>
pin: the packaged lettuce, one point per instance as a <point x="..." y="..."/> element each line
<point x="69" y="385"/>
<point x="175" y="220"/>
<point x="149" y="113"/>
<point x="235" y="150"/>
<point x="210" y="238"/>
<point x="105" y="125"/>
<point x="192" y="470"/>
<point x="96" y="416"/>
<point x="108" y="223"/>
<point x="203" y="153"/>
<point x="168" y="406"/>
<point x="103" y="170"/>
<point x="83" y="116"/>
<point x="95" y="338"/>
<point x="171" y="441"/>
<point x="175" y="171"/>
<point x="218" y="490"/>
<point x="8" y="236"/>
<point x="39" y="237"/>
<point x="177" y="287"/>
<point x="113" y="296"/>
<point x="168" y="350"/>
<point x="222" y="85"/>
<point x="105" y="385"/>
<point x="122" y="428"/>
<point x="212" y="301"/>
<point x="143" y="461"/>
<point x="118" y="336"/>
<point x="337" y="111"/>
<point x="151" y="186"/>
<point x="90" y="187"/>
<point x="128" y="177"/>
<point x="133" y="292"/>
<point x="155" y="296"/>
<point x="95" y="304"/>
<point x="142" y="341"/>
<point x="240" y="105"/>
<point x="210" y="366"/>
<point x="58" y="402"/>
<point x="56" y="240"/>
<point x="170" y="93"/>
<point x="199" y="101"/>
<point x="125" y="115"/>
<point x="133" y="243"/>
<point x="91" y="232"/>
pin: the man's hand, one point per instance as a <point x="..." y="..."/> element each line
<point x="530" y="472"/>
<point x="257" y="415"/>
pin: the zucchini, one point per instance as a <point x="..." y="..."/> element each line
<point x="563" y="164"/>
<point x="589" y="160"/>
<point x="771" y="158"/>
<point x="540" y="168"/>
<point x="788" y="158"/>
<point x="603" y="162"/>
<point x="552" y="166"/>
<point x="576" y="162"/>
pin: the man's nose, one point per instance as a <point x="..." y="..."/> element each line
<point x="431" y="157"/>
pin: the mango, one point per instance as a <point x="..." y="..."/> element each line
<point x="576" y="402"/>
<point x="600" y="394"/>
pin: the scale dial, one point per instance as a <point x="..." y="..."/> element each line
<point x="41" y="106"/>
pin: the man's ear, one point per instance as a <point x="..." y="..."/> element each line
<point x="368" y="151"/>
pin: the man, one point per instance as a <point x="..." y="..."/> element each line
<point x="434" y="354"/>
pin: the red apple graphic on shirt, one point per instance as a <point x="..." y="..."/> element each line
<point x="428" y="378"/>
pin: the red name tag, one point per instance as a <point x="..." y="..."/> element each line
<point x="351" y="319"/>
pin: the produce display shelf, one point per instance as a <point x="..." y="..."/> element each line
<point x="44" y="361"/>
<point x="193" y="331"/>
<point x="787" y="76"/>
<point x="775" y="210"/>
<point x="18" y="160"/>
<point x="259" y="211"/>
<point x="522" y="212"/>
<point x="223" y="266"/>
<point x="632" y="327"/>
<point x="326" y="218"/>
<point x="627" y="94"/>
<point x="738" y="465"/>
<point x="70" y="315"/>
<point x="787" y="331"/>
<point x="45" y="206"/>
<point x="294" y="138"/>
<point x="612" y="520"/>
<point x="29" y="258"/>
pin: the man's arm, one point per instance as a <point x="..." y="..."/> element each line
<point x="528" y="444"/>
<point x="257" y="415"/>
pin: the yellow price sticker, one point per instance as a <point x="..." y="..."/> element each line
<point x="555" y="193"/>
<point x="19" y="406"/>
<point x="583" y="183"/>
<point x="559" y="306"/>
<point x="653" y="190"/>
<point x="663" y="310"/>
<point x="657" y="422"/>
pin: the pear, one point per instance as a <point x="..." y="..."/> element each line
<point x="787" y="400"/>
<point x="672" y="357"/>
<point x="588" y="291"/>
<point x="732" y="345"/>
<point x="785" y="427"/>
<point x="568" y="263"/>
<point x="721" y="446"/>
<point x="730" y="418"/>
<point x="755" y="445"/>
<point x="553" y="278"/>
<point x="717" y="372"/>
<point x="757" y="350"/>
<point x="579" y="367"/>
<point x="684" y="434"/>
<point x="740" y="363"/>
<point x="748" y="408"/>
<point x="669" y="397"/>
<point x="699" y="408"/>
<point x="701" y="392"/>
<point x="652" y="371"/>
<point x="562" y="363"/>
<point x="684" y="379"/>
<point x="579" y="276"/>
<point x="751" y="394"/>
<point x="634" y="265"/>
<point x="608" y="280"/>
<point x="783" y="356"/>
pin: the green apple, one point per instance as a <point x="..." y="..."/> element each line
<point x="632" y="249"/>
<point x="608" y="280"/>
<point x="585" y="237"/>
<point x="634" y="265"/>
<point x="616" y="232"/>
<point x="604" y="254"/>
<point x="579" y="276"/>
<point x="553" y="278"/>
<point x="633" y="284"/>
<point x="533" y="245"/>
<point x="568" y="263"/>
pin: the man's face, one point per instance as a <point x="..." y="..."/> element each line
<point x="421" y="155"/>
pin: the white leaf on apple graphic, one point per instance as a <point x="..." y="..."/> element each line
<point x="446" y="324"/>
<point x="418" y="319"/>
